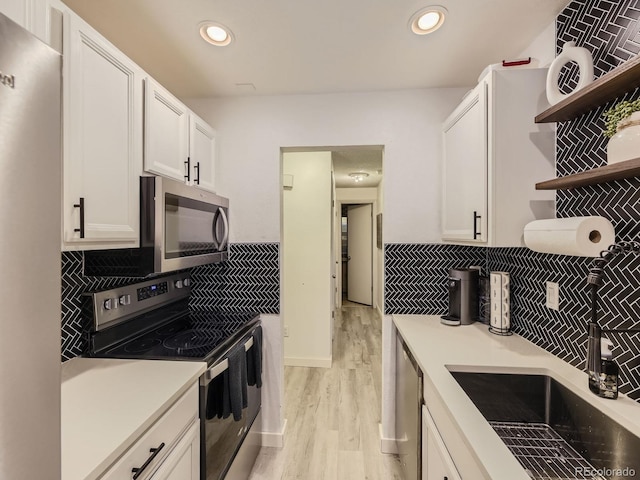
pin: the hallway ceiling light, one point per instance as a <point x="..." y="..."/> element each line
<point x="427" y="20"/>
<point x="216" y="33"/>
<point x="358" y="176"/>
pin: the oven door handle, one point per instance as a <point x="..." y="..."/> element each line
<point x="218" y="368"/>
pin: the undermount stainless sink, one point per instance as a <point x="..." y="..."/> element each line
<point x="553" y="432"/>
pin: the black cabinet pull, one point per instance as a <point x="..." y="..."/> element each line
<point x="197" y="169"/>
<point x="187" y="177"/>
<point x="81" y="207"/>
<point x="154" y="452"/>
<point x="476" y="217"/>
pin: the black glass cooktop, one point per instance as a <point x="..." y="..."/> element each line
<point x="189" y="335"/>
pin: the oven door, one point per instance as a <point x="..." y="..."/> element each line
<point x="191" y="226"/>
<point x="221" y="455"/>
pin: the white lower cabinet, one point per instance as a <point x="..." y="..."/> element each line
<point x="437" y="463"/>
<point x="184" y="461"/>
<point x="169" y="450"/>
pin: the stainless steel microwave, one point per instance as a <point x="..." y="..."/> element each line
<point x="181" y="226"/>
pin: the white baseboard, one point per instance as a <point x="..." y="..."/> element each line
<point x="387" y="445"/>
<point x="271" y="439"/>
<point x="308" y="362"/>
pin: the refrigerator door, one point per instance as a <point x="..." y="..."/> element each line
<point x="30" y="184"/>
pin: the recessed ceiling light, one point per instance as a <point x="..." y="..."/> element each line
<point x="216" y="33"/>
<point x="427" y="20"/>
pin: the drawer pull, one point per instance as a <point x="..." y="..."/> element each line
<point x="154" y="452"/>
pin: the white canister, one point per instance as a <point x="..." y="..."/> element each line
<point x="500" y="303"/>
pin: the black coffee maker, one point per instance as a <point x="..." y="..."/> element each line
<point x="462" y="285"/>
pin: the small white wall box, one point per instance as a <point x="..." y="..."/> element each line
<point x="287" y="181"/>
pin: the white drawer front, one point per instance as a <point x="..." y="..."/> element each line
<point x="168" y="430"/>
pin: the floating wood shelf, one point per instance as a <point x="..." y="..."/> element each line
<point x="608" y="173"/>
<point x="618" y="81"/>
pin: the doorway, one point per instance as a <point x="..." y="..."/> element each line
<point x="357" y="253"/>
<point x="316" y="183"/>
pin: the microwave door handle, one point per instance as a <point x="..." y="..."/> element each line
<point x="220" y="244"/>
<point x="225" y="221"/>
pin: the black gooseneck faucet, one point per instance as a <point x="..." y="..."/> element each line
<point x="595" y="281"/>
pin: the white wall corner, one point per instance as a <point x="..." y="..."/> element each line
<point x="274" y="439"/>
<point x="387" y="445"/>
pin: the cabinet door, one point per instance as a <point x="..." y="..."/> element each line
<point x="202" y="151"/>
<point x="464" y="212"/>
<point x="102" y="141"/>
<point x="436" y="461"/>
<point x="166" y="129"/>
<point x="20" y="11"/>
<point x="184" y="461"/>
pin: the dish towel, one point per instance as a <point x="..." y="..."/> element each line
<point x="237" y="380"/>
<point x="254" y="360"/>
<point x="216" y="393"/>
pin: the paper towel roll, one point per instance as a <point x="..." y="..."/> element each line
<point x="579" y="236"/>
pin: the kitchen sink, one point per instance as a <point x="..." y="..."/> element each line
<point x="552" y="432"/>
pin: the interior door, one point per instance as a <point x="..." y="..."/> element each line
<point x="360" y="254"/>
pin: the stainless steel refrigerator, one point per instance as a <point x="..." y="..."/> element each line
<point x="30" y="185"/>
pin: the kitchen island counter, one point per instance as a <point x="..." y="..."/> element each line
<point x="107" y="404"/>
<point x="440" y="349"/>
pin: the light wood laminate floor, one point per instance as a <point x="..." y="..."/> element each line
<point x="333" y="414"/>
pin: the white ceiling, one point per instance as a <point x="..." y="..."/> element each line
<point x="321" y="46"/>
<point x="348" y="160"/>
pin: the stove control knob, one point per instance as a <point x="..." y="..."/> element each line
<point x="124" y="300"/>
<point x="187" y="282"/>
<point x="178" y="284"/>
<point x="111" y="303"/>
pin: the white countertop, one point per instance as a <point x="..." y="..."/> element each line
<point x="107" y="404"/>
<point x="439" y="349"/>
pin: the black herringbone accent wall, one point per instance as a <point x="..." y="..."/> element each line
<point x="249" y="281"/>
<point x="415" y="275"/>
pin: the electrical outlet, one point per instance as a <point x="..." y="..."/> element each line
<point x="553" y="296"/>
<point x="286" y="330"/>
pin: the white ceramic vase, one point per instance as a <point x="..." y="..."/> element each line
<point x="625" y="144"/>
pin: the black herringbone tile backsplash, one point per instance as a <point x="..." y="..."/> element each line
<point x="249" y="281"/>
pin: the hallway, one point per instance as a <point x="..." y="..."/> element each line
<point x="333" y="414"/>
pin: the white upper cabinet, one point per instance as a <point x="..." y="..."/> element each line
<point x="464" y="214"/>
<point x="102" y="92"/>
<point x="20" y="11"/>
<point x="166" y="142"/>
<point x="178" y="144"/>
<point x="493" y="155"/>
<point x="202" y="151"/>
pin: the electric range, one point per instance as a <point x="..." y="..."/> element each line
<point x="151" y="320"/>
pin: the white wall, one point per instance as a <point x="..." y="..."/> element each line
<point x="253" y="129"/>
<point x="306" y="259"/>
<point x="543" y="47"/>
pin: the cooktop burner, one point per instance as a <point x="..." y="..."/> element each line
<point x="194" y="335"/>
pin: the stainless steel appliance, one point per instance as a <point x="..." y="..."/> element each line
<point x="30" y="200"/>
<point x="152" y="320"/>
<point x="408" y="411"/>
<point x="462" y="285"/>
<point x="181" y="226"/>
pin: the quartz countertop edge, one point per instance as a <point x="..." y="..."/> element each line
<point x="107" y="404"/>
<point x="439" y="349"/>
